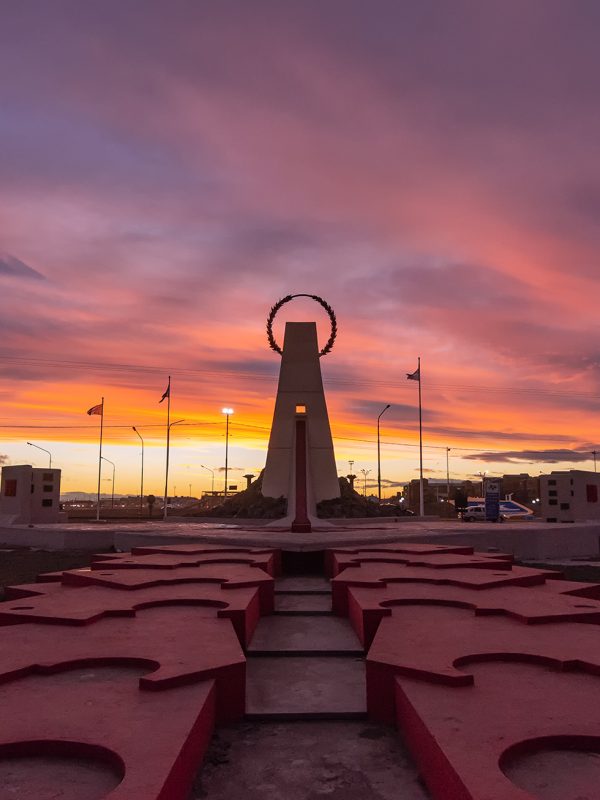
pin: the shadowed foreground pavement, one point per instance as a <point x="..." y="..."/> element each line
<point x="340" y="760"/>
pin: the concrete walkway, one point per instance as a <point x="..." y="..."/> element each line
<point x="303" y="662"/>
<point x="306" y="735"/>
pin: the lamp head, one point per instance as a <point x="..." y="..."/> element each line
<point x="227" y="411"/>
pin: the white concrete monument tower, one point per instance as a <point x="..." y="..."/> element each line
<point x="300" y="460"/>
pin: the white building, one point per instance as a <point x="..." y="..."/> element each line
<point x="570" y="496"/>
<point x="29" y="495"/>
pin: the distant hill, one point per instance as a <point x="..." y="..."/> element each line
<point x="87" y="495"/>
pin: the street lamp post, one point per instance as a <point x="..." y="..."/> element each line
<point x="365" y="472"/>
<point x="594" y="453"/>
<point x="212" y="472"/>
<point x="228" y="412"/>
<point x="379" y="454"/>
<point x="170" y="425"/>
<point x="31" y="444"/>
<point x="482" y="476"/>
<point x="112" y="504"/>
<point x="142" y="476"/>
<point x="448" y="474"/>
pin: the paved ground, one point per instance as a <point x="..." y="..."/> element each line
<point x="339" y="760"/>
<point x="527" y="540"/>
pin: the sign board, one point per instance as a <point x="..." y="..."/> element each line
<point x="232" y="488"/>
<point x="492" y="500"/>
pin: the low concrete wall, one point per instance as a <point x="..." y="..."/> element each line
<point x="57" y="538"/>
<point x="527" y="541"/>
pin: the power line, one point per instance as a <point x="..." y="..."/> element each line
<point x="31" y="361"/>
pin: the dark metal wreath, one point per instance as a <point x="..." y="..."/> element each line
<point x="270" y="319"/>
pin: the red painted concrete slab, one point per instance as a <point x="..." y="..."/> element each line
<point x="81" y="605"/>
<point x="467" y="741"/>
<point x="181" y="645"/>
<point x="529" y="605"/>
<point x="194" y="549"/>
<point x="150" y="743"/>
<point x="416" y="549"/>
<point x="437" y="644"/>
<point x="340" y="562"/>
<point x="576" y="588"/>
<point x="172" y="561"/>
<point x="377" y="575"/>
<point x="226" y="575"/>
<point x="30" y="590"/>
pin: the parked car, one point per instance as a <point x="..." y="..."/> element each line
<point x="477" y="514"/>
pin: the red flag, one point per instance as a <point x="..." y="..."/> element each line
<point x="99" y="409"/>
<point x="167" y="391"/>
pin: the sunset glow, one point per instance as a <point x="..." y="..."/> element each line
<point x="168" y="173"/>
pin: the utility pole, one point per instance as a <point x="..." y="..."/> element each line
<point x="594" y="453"/>
<point x="447" y="474"/>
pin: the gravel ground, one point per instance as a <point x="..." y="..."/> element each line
<point x="308" y="761"/>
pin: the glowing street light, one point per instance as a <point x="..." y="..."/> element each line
<point x="228" y="412"/>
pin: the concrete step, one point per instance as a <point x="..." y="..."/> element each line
<point x="302" y="584"/>
<point x="302" y="603"/>
<point x="305" y="688"/>
<point x="304" y="634"/>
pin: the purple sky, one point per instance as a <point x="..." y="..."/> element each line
<point x="169" y="170"/>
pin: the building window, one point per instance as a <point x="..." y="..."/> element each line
<point x="591" y="493"/>
<point x="10" y="487"/>
<point x="553" y="502"/>
<point x="47" y="503"/>
<point x="565" y="506"/>
<point x="552" y="493"/>
<point x="48" y="487"/>
<point x="301" y="409"/>
<point x="552" y="483"/>
<point x="48" y="476"/>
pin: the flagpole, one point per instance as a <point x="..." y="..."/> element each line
<point x="168" y="438"/>
<point x="421" y="498"/>
<point x="100" y="462"/>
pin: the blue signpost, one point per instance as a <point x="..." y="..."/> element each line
<point x="492" y="500"/>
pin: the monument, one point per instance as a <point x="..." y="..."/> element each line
<point x="300" y="459"/>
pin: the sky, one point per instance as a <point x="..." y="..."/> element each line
<point x="168" y="171"/>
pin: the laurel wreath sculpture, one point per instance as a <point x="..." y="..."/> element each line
<point x="273" y="312"/>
